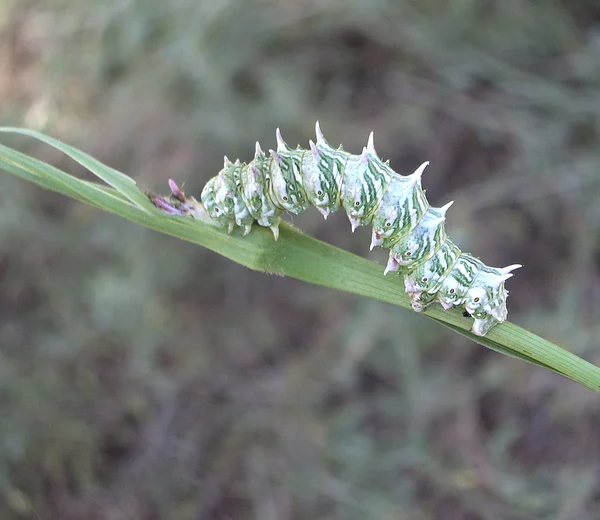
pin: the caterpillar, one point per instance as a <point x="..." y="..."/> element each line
<point x="371" y="193"/>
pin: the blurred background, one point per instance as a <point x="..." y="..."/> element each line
<point x="142" y="377"/>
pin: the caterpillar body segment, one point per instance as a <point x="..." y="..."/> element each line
<point x="423" y="283"/>
<point x="323" y="172"/>
<point x="421" y="243"/>
<point x="371" y="193"/>
<point x="402" y="206"/>
<point x="366" y="179"/>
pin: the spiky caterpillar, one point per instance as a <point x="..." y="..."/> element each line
<point x="370" y="192"/>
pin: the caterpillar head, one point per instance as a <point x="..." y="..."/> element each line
<point x="476" y="301"/>
<point x="488" y="297"/>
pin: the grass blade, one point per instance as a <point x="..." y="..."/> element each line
<point x="294" y="254"/>
<point x="121" y="182"/>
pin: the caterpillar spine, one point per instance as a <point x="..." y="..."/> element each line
<point x="371" y="193"/>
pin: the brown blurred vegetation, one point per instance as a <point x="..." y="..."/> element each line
<point x="144" y="378"/>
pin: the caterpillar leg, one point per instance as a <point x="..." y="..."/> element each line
<point x="275" y="231"/>
<point x="420" y="301"/>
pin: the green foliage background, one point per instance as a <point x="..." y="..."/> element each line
<point x="142" y="377"/>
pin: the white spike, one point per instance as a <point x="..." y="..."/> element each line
<point x="371" y="145"/>
<point x="500" y="278"/>
<point x="281" y="144"/>
<point x="227" y="162"/>
<point x="510" y="268"/>
<point x="320" y="136"/>
<point x="445" y="207"/>
<point x="247" y="229"/>
<point x="418" y="173"/>
<point x="354" y="222"/>
<point x="258" y="150"/>
<point x="315" y="150"/>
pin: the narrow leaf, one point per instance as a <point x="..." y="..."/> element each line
<point x="122" y="183"/>
<point x="295" y="254"/>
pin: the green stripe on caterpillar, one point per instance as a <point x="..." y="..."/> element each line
<point x="371" y="193"/>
